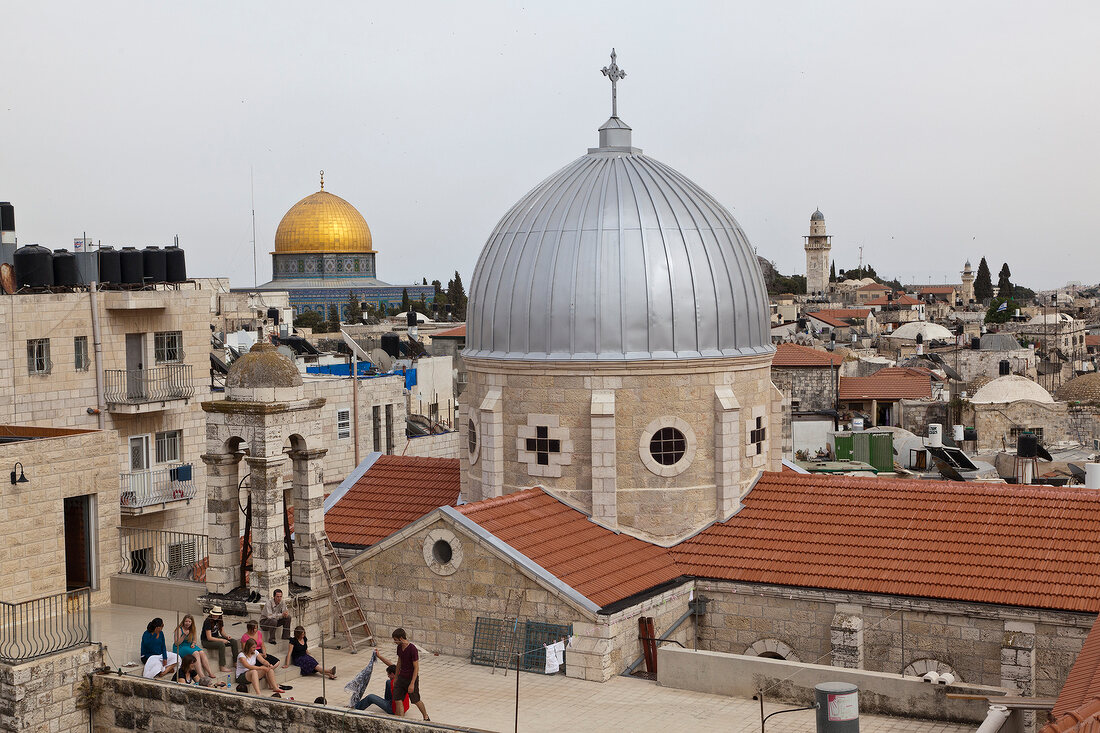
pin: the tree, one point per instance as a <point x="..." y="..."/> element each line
<point x="996" y="315"/>
<point x="1004" y="284"/>
<point x="983" y="283"/>
<point x="309" y="319"/>
<point x="456" y="294"/>
<point x="832" y="272"/>
<point x="405" y="303"/>
<point x="354" y="311"/>
<point x="333" y="318"/>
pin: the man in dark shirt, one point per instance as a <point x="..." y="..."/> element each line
<point x="408" y="673"/>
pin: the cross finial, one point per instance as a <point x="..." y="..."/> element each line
<point x="322" y="180"/>
<point x="614" y="73"/>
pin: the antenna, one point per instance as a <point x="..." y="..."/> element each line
<point x="252" y="186"/>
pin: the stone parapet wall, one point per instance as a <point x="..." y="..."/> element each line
<point x="132" y="703"/>
<point x="445" y="445"/>
<point x="813" y="387"/>
<point x="42" y="696"/>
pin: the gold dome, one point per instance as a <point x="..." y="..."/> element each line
<point x="322" y="222"/>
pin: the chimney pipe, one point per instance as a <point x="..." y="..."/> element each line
<point x="7" y="223"/>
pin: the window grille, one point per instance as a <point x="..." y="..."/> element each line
<point x="80" y="353"/>
<point x="343" y="423"/>
<point x="168" y="446"/>
<point x="168" y="347"/>
<point x="38" y="356"/>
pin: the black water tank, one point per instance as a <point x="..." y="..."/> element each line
<point x="1004" y="368"/>
<point x="412" y="318"/>
<point x="1027" y="445"/>
<point x="64" y="269"/>
<point x="131" y="266"/>
<point x="391" y="344"/>
<point x="970" y="434"/>
<point x="7" y="217"/>
<point x="110" y="266"/>
<point x="33" y="267"/>
<point x="154" y="265"/>
<point x="976" y="343"/>
<point x="175" y="264"/>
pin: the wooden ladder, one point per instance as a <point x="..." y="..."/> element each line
<point x="344" y="603"/>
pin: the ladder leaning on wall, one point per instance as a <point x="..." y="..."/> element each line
<point x="345" y="604"/>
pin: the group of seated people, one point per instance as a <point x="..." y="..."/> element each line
<point x="188" y="661"/>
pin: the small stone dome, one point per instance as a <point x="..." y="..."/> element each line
<point x="1011" y="388"/>
<point x="262" y="366"/>
<point x="817" y="216"/>
<point x="1085" y="388"/>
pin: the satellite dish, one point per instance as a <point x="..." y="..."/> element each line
<point x="7" y="278"/>
<point x="381" y="359"/>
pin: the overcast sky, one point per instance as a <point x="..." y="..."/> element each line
<point x="928" y="133"/>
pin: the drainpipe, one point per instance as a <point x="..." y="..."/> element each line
<point x="994" y="719"/>
<point x="97" y="346"/>
<point x="355" y="404"/>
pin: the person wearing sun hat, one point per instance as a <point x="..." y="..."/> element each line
<point x="215" y="639"/>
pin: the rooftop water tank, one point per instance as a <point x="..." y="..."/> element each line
<point x="175" y="265"/>
<point x="154" y="265"/>
<point x="132" y="266"/>
<point x="33" y="267"/>
<point x="64" y="269"/>
<point x="1027" y="445"/>
<point x="110" y="266"/>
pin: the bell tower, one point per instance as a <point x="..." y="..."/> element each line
<point x="818" y="245"/>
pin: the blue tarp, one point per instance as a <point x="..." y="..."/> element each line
<point x="410" y="378"/>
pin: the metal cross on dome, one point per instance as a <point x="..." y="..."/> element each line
<point x="614" y="73"/>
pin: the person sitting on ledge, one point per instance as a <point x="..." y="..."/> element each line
<point x="187" y="644"/>
<point x="251" y="667"/>
<point x="254" y="634"/>
<point x="213" y="637"/>
<point x="273" y="615"/>
<point x="298" y="654"/>
<point x="159" y="662"/>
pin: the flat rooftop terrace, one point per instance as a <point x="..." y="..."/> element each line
<point x="462" y="694"/>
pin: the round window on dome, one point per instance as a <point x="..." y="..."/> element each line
<point x="667" y="446"/>
<point x="472" y="444"/>
<point x="442" y="552"/>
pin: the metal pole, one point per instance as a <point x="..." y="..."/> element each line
<point x="323" y="668"/>
<point x="355" y="403"/>
<point x="519" y="655"/>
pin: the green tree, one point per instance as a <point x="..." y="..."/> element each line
<point x="1004" y="283"/>
<point x="405" y="303"/>
<point x="333" y="323"/>
<point x="983" y="283"/>
<point x="309" y="319"/>
<point x="832" y="272"/>
<point x="1023" y="294"/>
<point x="995" y="315"/>
<point x="354" y="311"/>
<point x="456" y="294"/>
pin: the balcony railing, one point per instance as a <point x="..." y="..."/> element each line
<point x="142" y="489"/>
<point x="161" y="554"/>
<point x="143" y="386"/>
<point x="45" y="626"/>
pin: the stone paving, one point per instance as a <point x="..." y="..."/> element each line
<point x="458" y="693"/>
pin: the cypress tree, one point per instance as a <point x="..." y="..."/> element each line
<point x="983" y="283"/>
<point x="832" y="272"/>
<point x="1004" y="283"/>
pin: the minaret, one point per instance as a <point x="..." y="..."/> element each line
<point x="818" y="245"/>
<point x="968" y="284"/>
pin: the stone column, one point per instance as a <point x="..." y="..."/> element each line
<point x="309" y="516"/>
<point x="604" y="506"/>
<point x="223" y="529"/>
<point x="492" y="445"/>
<point x="846" y="633"/>
<point x="1018" y="661"/>
<point x="727" y="452"/>
<point x="268" y="554"/>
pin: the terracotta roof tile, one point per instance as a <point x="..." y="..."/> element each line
<point x="989" y="543"/>
<point x="456" y="332"/>
<point x="899" y="299"/>
<point x="874" y="286"/>
<point x="1091" y="340"/>
<point x="795" y="355"/>
<point x="394" y="492"/>
<point x="938" y="289"/>
<point x="843" y="312"/>
<point x="598" y="563"/>
<point x="893" y="385"/>
<point x="834" y="322"/>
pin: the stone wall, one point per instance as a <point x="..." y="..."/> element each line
<point x="42" y="696"/>
<point x="813" y="387"/>
<point x="132" y="703"/>
<point x="509" y="401"/>
<point x="1029" y="650"/>
<point x="445" y="445"/>
<point x="916" y="415"/>
<point x="995" y="422"/>
<point x="32" y="551"/>
<point x="973" y="364"/>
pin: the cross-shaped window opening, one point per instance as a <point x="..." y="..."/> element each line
<point x="542" y="445"/>
<point x="758" y="435"/>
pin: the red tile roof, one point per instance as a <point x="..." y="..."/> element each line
<point x="874" y="286"/>
<point x="1078" y="706"/>
<point x="834" y="322"/>
<point x="394" y="492"/>
<point x="1026" y="546"/>
<point x="893" y="385"/>
<point x="794" y="355"/>
<point x="843" y="312"/>
<point x="1091" y="340"/>
<point x="899" y="299"/>
<point x="456" y="332"/>
<point x="938" y="289"/>
<point x="598" y="563"/>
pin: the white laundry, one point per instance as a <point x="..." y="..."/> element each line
<point x="552" y="663"/>
<point x="559" y="652"/>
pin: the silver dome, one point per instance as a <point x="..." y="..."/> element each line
<point x="617" y="257"/>
<point x="817" y="216"/>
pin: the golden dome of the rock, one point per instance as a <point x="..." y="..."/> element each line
<point x="322" y="222"/>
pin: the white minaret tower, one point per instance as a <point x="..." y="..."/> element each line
<point x="968" y="284"/>
<point x="818" y="245"/>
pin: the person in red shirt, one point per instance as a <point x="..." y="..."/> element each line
<point x="407" y="681"/>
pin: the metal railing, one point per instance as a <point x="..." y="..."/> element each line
<point x="44" y="626"/>
<point x="159" y="384"/>
<point x="157" y="486"/>
<point x="162" y="554"/>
